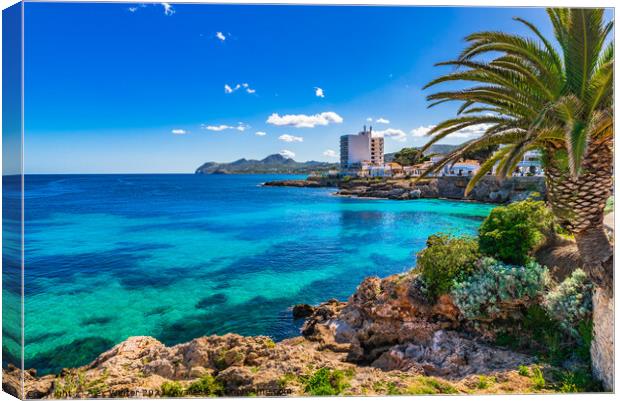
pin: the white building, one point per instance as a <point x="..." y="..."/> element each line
<point x="361" y="148"/>
<point x="530" y="164"/>
<point x="465" y="168"/>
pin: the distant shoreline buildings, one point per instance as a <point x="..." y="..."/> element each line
<point x="362" y="155"/>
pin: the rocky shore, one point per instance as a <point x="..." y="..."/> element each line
<point x="489" y="189"/>
<point x="385" y="339"/>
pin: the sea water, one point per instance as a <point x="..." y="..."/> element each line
<point x="181" y="256"/>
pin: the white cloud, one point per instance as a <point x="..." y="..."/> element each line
<point x="168" y="10"/>
<point x="395" y="134"/>
<point x="245" y="85"/>
<point x="383" y="120"/>
<point x="319" y="92"/>
<point x="220" y="36"/>
<point x="239" y="127"/>
<point x="465" y="133"/>
<point x="304" y="121"/>
<point x="421" y="131"/>
<point x="330" y="153"/>
<point x="369" y="119"/>
<point x="261" y="133"/>
<point x="290" y="138"/>
<point x="179" y="131"/>
<point x="287" y="153"/>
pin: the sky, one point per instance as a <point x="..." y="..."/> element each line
<point x="164" y="87"/>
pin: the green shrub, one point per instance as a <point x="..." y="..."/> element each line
<point x="538" y="379"/>
<point x="484" y="382"/>
<point x="511" y="232"/>
<point x="171" y="389"/>
<point x="326" y="381"/>
<point x="206" y="385"/>
<point x="444" y="260"/>
<point x="570" y="303"/>
<point x="496" y="290"/>
<point x="578" y="381"/>
<point x="524" y="371"/>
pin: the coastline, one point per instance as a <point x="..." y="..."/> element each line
<point x="489" y="189"/>
<point x="330" y="341"/>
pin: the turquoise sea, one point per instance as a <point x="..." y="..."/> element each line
<point x="181" y="256"/>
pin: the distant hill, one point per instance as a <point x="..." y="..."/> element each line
<point x="436" y="148"/>
<point x="272" y="164"/>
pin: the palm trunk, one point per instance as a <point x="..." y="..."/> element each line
<point x="579" y="203"/>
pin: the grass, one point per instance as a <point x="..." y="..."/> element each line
<point x="326" y="381"/>
<point x="538" y="379"/>
<point x="207" y="386"/>
<point x="171" y="389"/>
<point x="429" y="385"/>
<point x="484" y="382"/>
<point x="578" y="381"/>
<point x="524" y="371"/>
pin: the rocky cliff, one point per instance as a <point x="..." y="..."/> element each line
<point x="489" y="188"/>
<point x="385" y="339"/>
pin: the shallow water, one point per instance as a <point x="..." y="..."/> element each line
<point x="181" y="256"/>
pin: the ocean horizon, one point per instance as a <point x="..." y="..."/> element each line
<point x="179" y="256"/>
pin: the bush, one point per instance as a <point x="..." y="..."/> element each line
<point x="496" y="290"/>
<point x="326" y="381"/>
<point x="444" y="260"/>
<point x="578" y="381"/>
<point x="524" y="371"/>
<point x="570" y="303"/>
<point x="511" y="232"/>
<point x="538" y="379"/>
<point x="171" y="389"/>
<point x="206" y="385"/>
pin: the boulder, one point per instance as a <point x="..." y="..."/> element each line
<point x="302" y="310"/>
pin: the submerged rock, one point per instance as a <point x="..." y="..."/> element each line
<point x="302" y="310"/>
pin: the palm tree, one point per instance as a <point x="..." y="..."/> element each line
<point x="557" y="97"/>
<point x="531" y="95"/>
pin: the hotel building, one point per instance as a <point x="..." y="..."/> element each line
<point x="361" y="148"/>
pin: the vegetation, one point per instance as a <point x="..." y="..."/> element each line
<point x="538" y="379"/>
<point x="429" y="385"/>
<point x="206" y="386"/>
<point x="511" y="232"/>
<point x="172" y="389"/>
<point x="484" y="382"/>
<point x="410" y="156"/>
<point x="530" y="93"/>
<point x="577" y="381"/>
<point x="609" y="205"/>
<point x="480" y="155"/>
<point x="524" y="371"/>
<point x="570" y="303"/>
<point x="497" y="289"/>
<point x="444" y="260"/>
<point x="326" y="381"/>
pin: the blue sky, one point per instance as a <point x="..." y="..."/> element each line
<point x="112" y="88"/>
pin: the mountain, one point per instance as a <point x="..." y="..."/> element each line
<point x="434" y="149"/>
<point x="272" y="164"/>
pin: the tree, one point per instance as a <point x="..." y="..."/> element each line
<point x="409" y="156"/>
<point x="532" y="93"/>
